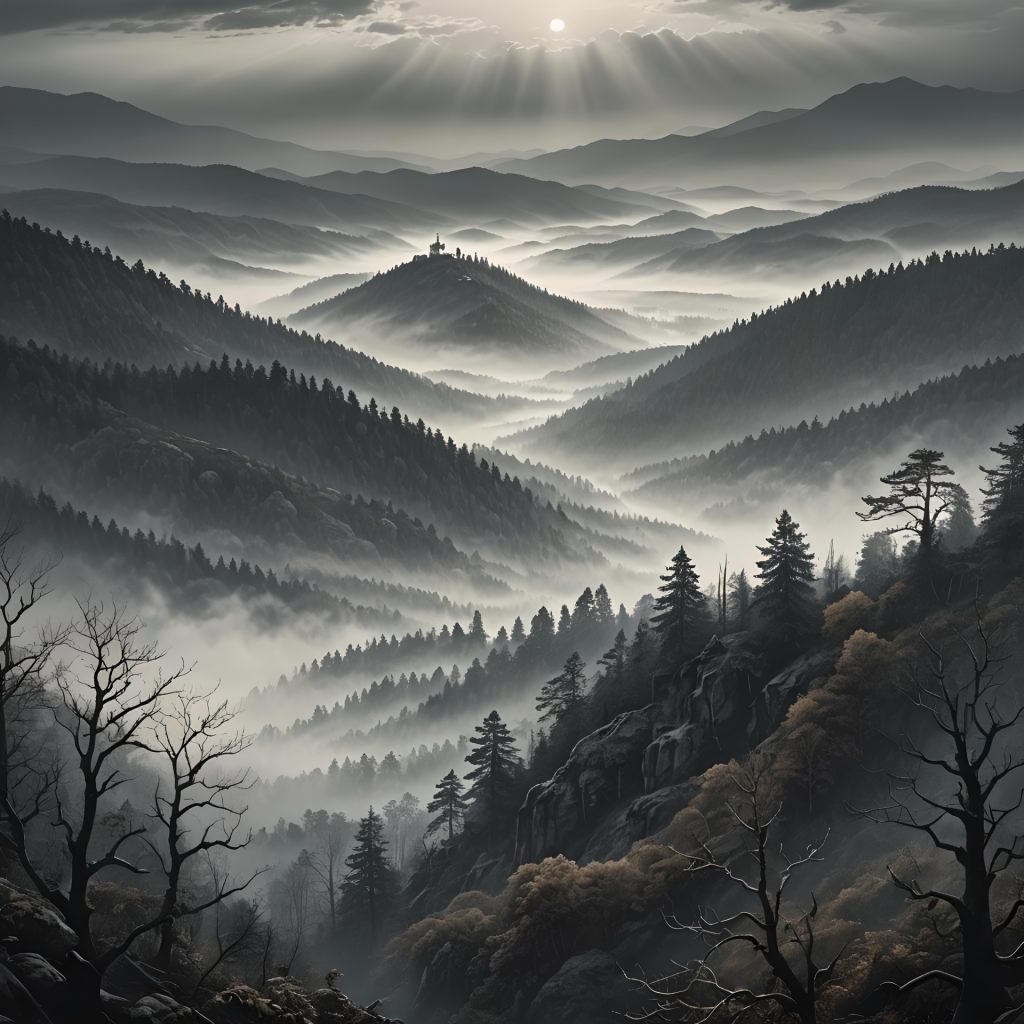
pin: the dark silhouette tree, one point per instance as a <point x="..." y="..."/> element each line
<point x="448" y="805"/>
<point x="763" y="927"/>
<point x="879" y="564"/>
<point x="785" y="599"/>
<point x="327" y="834"/>
<point x="496" y="765"/>
<point x="23" y="660"/>
<point x="367" y="891"/>
<point x="1005" y="481"/>
<point x="613" y="661"/>
<point x="738" y="599"/>
<point x="962" y="795"/>
<point x="563" y="696"/>
<point x="959" y="530"/>
<point x="919" y="496"/>
<point x="194" y="804"/>
<point x="105" y="709"/>
<point x="681" y="618"/>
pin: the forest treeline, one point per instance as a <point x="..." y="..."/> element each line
<point x="90" y="303"/>
<point x="963" y="405"/>
<point x="880" y="331"/>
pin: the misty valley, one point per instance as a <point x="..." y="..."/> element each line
<point x="485" y="555"/>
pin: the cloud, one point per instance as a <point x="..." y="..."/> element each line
<point x="386" y="28"/>
<point x="173" y="15"/>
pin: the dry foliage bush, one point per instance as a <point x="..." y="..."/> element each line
<point x="844" y="617"/>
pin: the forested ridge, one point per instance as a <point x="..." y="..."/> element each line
<point x="877" y="332"/>
<point x="962" y="405"/>
<point x="187" y="576"/>
<point x="465" y="299"/>
<point x="90" y="303"/>
<point x="94" y="451"/>
<point x="315" y="431"/>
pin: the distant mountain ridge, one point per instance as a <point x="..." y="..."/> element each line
<point x="891" y="121"/>
<point x="89" y="124"/>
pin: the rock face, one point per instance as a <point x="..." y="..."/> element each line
<point x="589" y="987"/>
<point x="602" y="770"/>
<point x="715" y="693"/>
<point x="633" y="775"/>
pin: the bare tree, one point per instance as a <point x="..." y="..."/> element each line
<point x="327" y="832"/>
<point x="23" y="661"/>
<point x="193" y="803"/>
<point x="963" y="703"/>
<point x="104" y="711"/>
<point x="783" y="944"/>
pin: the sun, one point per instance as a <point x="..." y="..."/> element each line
<point x="557" y="25"/>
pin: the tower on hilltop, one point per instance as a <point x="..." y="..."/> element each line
<point x="437" y="248"/>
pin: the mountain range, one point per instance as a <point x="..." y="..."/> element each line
<point x="892" y="122"/>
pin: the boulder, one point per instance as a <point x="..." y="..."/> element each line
<point x="47" y="985"/>
<point x="162" y="1009"/>
<point x="587" y="988"/>
<point x="37" y="925"/>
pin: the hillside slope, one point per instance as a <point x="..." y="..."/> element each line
<point x="810" y="356"/>
<point x="447" y="302"/>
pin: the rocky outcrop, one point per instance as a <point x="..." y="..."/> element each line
<point x="589" y="987"/>
<point x="38" y="927"/>
<point x="631" y="776"/>
<point x="602" y="771"/>
<point x="715" y="693"/>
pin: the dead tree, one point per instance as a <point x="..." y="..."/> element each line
<point x="964" y="705"/>
<point x="783" y="944"/>
<point x="193" y="804"/>
<point x="104" y="708"/>
<point x="23" y="660"/>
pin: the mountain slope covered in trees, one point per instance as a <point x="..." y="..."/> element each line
<point x="89" y="303"/>
<point x="460" y="302"/>
<point x="810" y="356"/>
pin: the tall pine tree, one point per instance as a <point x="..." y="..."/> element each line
<point x="786" y="599"/>
<point x="681" y="616"/>
<point x="369" y="887"/>
<point x="449" y="806"/>
<point x="563" y="696"/>
<point x="496" y="764"/>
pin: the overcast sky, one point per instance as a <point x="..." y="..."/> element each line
<point x="461" y="76"/>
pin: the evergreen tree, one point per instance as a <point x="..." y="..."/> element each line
<point x="369" y="887"/>
<point x="1004" y="505"/>
<point x="564" y="620"/>
<point x="785" y="598"/>
<point x="518" y="633"/>
<point x="918" y="494"/>
<point x="477" y="633"/>
<point x="879" y="564"/>
<point x="1005" y="482"/>
<point x="959" y="530"/>
<point x="496" y="764"/>
<point x="613" y="661"/>
<point x="833" y="572"/>
<point x="603" y="612"/>
<point x="739" y="598"/>
<point x="563" y="696"/>
<point x="449" y="806"/>
<point x="681" y="616"/>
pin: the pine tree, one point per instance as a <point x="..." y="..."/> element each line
<point x="496" y="764"/>
<point x="477" y="633"/>
<point x="449" y="806"/>
<point x="739" y="598"/>
<point x="369" y="887"/>
<point x="785" y="597"/>
<point x="563" y="695"/>
<point x="879" y="564"/>
<point x="518" y="633"/>
<point x="564" y="620"/>
<point x="603" y="612"/>
<point x="681" y="618"/>
<point x="613" y="661"/>
<point x="1005" y="482"/>
<point x="959" y="530"/>
<point x="918" y="494"/>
